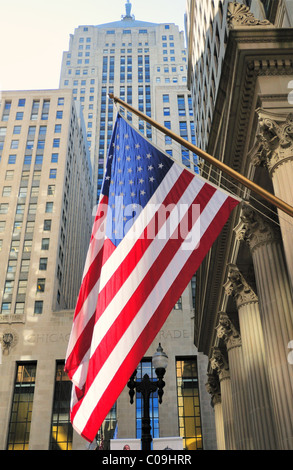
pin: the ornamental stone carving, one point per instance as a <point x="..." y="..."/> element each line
<point x="219" y="364"/>
<point x="227" y="332"/>
<point x="274" y="141"/>
<point x="213" y="388"/>
<point x="8" y="339"/>
<point x="239" y="288"/>
<point x="240" y="15"/>
<point x="254" y="229"/>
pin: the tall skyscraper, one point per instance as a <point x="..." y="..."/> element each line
<point x="145" y="64"/>
<point x="45" y="226"/>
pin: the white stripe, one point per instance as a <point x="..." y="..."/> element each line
<point x="121" y="350"/>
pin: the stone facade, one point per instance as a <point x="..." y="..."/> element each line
<point x="245" y="326"/>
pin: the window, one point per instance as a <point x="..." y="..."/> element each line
<point x="2" y="226"/>
<point x="11" y="159"/>
<point x="41" y="284"/>
<point x="45" y="243"/>
<point x="188" y="403"/>
<point x="6" y="191"/>
<point x="61" y="428"/>
<point x="17" y="130"/>
<point x="22" y="285"/>
<point x="39" y="159"/>
<point x="19" y="308"/>
<point x="17" y="228"/>
<point x="51" y="190"/>
<point x="21" y="102"/>
<point x="43" y="264"/>
<point x="14" y="248"/>
<point x="8" y="287"/>
<point x="24" y="267"/>
<point x="32" y="209"/>
<point x="27" y="246"/>
<point x="38" y="307"/>
<point x="47" y="225"/>
<point x="59" y="114"/>
<point x="166" y="111"/>
<point x="22" y="405"/>
<point x="57" y="128"/>
<point x="60" y="101"/>
<point x="49" y="207"/>
<point x="54" y="158"/>
<point x="11" y="268"/>
<point x="6" y="308"/>
<point x="3" y="208"/>
<point x="30" y="225"/>
<point x="9" y="175"/>
<point x="53" y="173"/>
<point x="22" y="192"/>
<point x="19" y="116"/>
<point x="56" y="143"/>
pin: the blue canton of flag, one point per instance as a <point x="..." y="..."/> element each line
<point x="135" y="169"/>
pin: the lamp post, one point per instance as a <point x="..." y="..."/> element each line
<point x="146" y="387"/>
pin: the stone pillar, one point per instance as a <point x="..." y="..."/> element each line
<point x="260" y="410"/>
<point x="243" y="427"/>
<point x="276" y="313"/>
<point x="220" y="365"/>
<point x="274" y="150"/>
<point x="213" y="388"/>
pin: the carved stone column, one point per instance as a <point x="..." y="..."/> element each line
<point x="274" y="150"/>
<point x="260" y="410"/>
<point x="232" y="340"/>
<point x="276" y="313"/>
<point x="220" y="365"/>
<point x="213" y="388"/>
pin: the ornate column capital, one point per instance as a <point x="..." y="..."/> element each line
<point x="219" y="364"/>
<point x="213" y="388"/>
<point x="227" y="332"/>
<point x="274" y="141"/>
<point x="239" y="288"/>
<point x="240" y="15"/>
<point x="254" y="229"/>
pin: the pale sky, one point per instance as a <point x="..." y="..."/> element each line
<point x="34" y="33"/>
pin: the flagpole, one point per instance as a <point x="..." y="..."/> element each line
<point x="282" y="205"/>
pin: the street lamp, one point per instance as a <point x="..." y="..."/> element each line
<point x="146" y="387"/>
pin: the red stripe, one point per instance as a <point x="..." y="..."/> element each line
<point x="129" y="312"/>
<point x="144" y="341"/>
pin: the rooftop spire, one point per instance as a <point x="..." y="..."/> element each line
<point x="128" y="15"/>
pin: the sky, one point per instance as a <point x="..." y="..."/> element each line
<point x="34" y="33"/>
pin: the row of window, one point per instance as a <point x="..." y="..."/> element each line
<point x="61" y="433"/>
<point x="34" y="111"/>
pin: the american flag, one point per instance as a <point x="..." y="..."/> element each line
<point x="154" y="225"/>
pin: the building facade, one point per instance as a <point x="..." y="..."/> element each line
<point x="240" y="75"/>
<point x="45" y="227"/>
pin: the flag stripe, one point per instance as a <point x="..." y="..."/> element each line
<point x="151" y="302"/>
